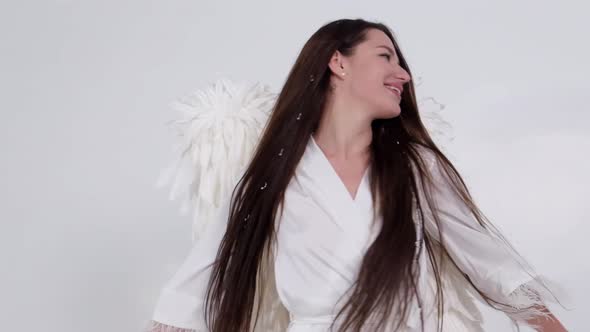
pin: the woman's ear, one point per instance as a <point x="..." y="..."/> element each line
<point x="336" y="64"/>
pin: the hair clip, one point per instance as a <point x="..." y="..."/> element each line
<point x="263" y="187"/>
<point x="246" y="221"/>
<point x="298" y="116"/>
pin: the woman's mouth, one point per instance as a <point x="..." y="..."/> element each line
<point x="394" y="90"/>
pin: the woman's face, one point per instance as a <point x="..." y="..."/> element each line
<point x="371" y="76"/>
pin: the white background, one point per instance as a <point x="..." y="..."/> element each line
<point x="86" y="88"/>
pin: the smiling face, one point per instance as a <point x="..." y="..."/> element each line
<point x="371" y="78"/>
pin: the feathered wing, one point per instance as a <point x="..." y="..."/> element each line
<point x="219" y="129"/>
<point x="430" y="113"/>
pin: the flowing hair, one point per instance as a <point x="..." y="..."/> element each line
<point x="387" y="277"/>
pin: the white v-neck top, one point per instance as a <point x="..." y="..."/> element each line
<point x="322" y="237"/>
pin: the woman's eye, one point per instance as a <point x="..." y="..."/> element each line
<point x="387" y="56"/>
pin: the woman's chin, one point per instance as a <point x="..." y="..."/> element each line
<point x="390" y="113"/>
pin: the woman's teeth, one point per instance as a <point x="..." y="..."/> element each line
<point x="394" y="89"/>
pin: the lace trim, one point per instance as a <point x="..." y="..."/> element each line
<point x="160" y="327"/>
<point x="528" y="301"/>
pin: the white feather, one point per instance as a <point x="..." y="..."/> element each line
<point x="439" y="129"/>
<point x="219" y="128"/>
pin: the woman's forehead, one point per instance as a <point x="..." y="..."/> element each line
<point x="378" y="39"/>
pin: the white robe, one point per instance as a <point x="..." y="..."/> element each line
<point x="322" y="237"/>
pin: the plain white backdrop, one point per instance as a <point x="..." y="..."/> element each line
<point x="86" y="87"/>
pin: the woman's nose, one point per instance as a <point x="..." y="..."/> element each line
<point x="404" y="76"/>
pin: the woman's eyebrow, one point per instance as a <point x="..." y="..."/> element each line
<point x="388" y="48"/>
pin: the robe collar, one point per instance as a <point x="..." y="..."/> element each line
<point x="320" y="181"/>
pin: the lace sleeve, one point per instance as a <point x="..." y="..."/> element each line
<point x="159" y="327"/>
<point x="486" y="257"/>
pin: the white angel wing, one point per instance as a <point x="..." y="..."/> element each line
<point x="219" y="129"/>
<point x="430" y="109"/>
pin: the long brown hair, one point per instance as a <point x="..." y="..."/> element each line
<point x="387" y="277"/>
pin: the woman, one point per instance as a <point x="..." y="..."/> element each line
<point x="348" y="216"/>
